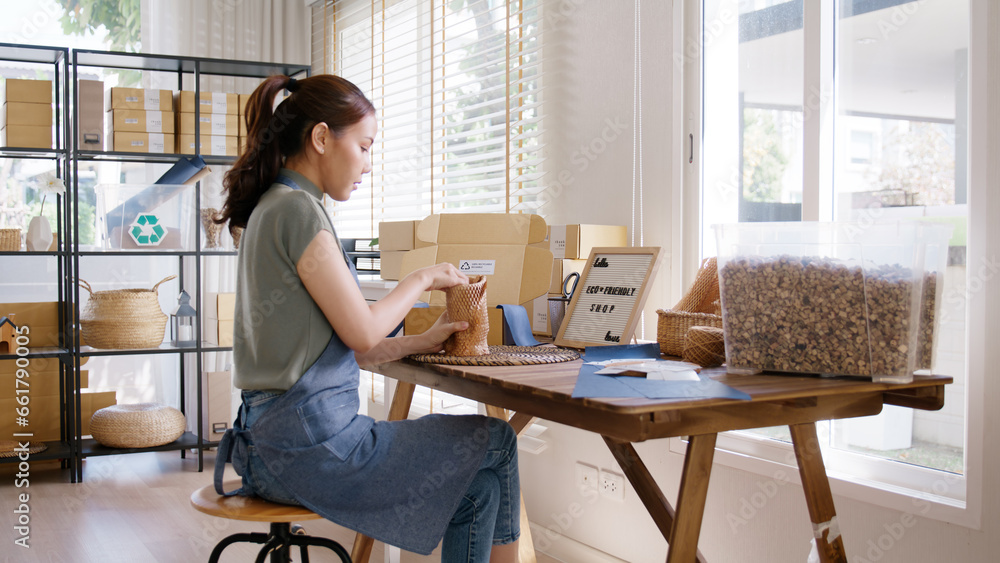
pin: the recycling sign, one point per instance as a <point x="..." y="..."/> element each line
<point x="146" y="230"/>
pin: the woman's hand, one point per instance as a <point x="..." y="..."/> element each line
<point x="442" y="276"/>
<point x="434" y="337"/>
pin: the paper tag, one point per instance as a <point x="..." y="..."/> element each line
<point x="151" y="100"/>
<point x="477" y="267"/>
<point x="219" y="102"/>
<point x="557" y="241"/>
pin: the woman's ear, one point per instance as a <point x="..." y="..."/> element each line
<point x="319" y="137"/>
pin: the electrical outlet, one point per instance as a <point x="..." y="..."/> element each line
<point x="586" y="476"/>
<point x="612" y="485"/>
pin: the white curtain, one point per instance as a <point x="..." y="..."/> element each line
<point x="249" y="30"/>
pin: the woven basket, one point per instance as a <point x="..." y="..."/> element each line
<point x="10" y="240"/>
<point x="672" y="326"/>
<point x="123" y="318"/>
<point x="142" y="425"/>
<point x="700" y="306"/>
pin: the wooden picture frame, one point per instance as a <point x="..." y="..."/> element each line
<point x="609" y="297"/>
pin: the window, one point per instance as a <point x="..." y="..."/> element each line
<point x="457" y="89"/>
<point x="849" y="110"/>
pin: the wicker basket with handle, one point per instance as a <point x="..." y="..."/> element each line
<point x="699" y="307"/>
<point x="123" y="318"/>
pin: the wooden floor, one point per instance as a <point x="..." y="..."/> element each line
<point x="135" y="509"/>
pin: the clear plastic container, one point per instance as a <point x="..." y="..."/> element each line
<point x="831" y="298"/>
<point x="146" y="217"/>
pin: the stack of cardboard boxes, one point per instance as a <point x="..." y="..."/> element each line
<point x="26" y="118"/>
<point x="44" y="422"/>
<point x="219" y="310"/>
<point x="91" y="114"/>
<point x="395" y="239"/>
<point x="219" y="120"/>
<point x="140" y="120"/>
<point x="502" y="247"/>
<point x="570" y="246"/>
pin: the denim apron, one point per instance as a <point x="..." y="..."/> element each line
<point x="399" y="482"/>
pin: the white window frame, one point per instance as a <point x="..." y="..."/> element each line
<point x="850" y="476"/>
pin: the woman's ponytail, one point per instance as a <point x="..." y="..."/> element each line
<point x="257" y="167"/>
<point x="274" y="133"/>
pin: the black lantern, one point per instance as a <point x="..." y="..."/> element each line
<point x="182" y="333"/>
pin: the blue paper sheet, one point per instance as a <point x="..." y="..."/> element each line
<point x="589" y="384"/>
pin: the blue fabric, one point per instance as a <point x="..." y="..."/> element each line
<point x="399" y="482"/>
<point x="517" y="326"/>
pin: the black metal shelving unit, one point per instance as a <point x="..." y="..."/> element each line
<point x="196" y="68"/>
<point x="56" y="59"/>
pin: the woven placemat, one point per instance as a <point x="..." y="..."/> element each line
<point x="503" y="356"/>
<point x="7" y="448"/>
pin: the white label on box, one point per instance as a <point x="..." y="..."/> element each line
<point x="540" y="314"/>
<point x="154" y="122"/>
<point x="557" y="241"/>
<point x="151" y="100"/>
<point x="157" y="143"/>
<point x="219" y="102"/>
<point x="219" y="126"/>
<point x="136" y="143"/>
<point x="218" y="145"/>
<point x="131" y="120"/>
<point x="131" y="98"/>
<point x="477" y="267"/>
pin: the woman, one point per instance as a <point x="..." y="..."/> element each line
<point x="303" y="327"/>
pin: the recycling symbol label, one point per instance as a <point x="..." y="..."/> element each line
<point x="146" y="230"/>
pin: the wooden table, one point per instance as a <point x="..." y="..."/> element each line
<point x="544" y="391"/>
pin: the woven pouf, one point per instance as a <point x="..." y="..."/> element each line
<point x="705" y="346"/>
<point x="141" y="425"/>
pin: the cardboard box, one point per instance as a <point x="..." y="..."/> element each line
<point x="139" y="98"/>
<point x="91" y="113"/>
<point x="217" y="332"/>
<point x="391" y="263"/>
<point x="42" y="318"/>
<point x="208" y="102"/>
<point x="130" y="141"/>
<point x="561" y="269"/>
<point x="419" y="319"/>
<point x="538" y="315"/>
<point x="43" y="420"/>
<point x="140" y="121"/>
<point x="25" y="90"/>
<point x="26" y="136"/>
<point x="214" y="145"/>
<point x="219" y="306"/>
<point x="396" y="235"/>
<point x="576" y="241"/>
<point x="224" y="124"/>
<point x="481" y="228"/>
<point x="242" y="100"/>
<point x="217" y="410"/>
<point x="26" y="113"/>
<point x="241" y="125"/>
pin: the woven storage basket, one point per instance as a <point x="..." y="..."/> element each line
<point x="123" y="318"/>
<point x="10" y="240"/>
<point x="141" y="425"/>
<point x="699" y="307"/>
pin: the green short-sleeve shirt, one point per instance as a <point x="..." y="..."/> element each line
<point x="278" y="331"/>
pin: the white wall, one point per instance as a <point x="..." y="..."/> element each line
<point x="589" y="71"/>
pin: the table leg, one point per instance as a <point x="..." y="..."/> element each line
<point x="526" y="547"/>
<point x="691" y="499"/>
<point x="819" y="499"/>
<point x="398" y="410"/>
<point x="646" y="488"/>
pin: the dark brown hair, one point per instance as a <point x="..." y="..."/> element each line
<point x="272" y="135"/>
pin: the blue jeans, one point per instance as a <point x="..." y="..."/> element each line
<point x="489" y="513"/>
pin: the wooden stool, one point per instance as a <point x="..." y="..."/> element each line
<point x="253" y="509"/>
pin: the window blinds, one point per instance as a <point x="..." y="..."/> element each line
<point x="457" y="89"/>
